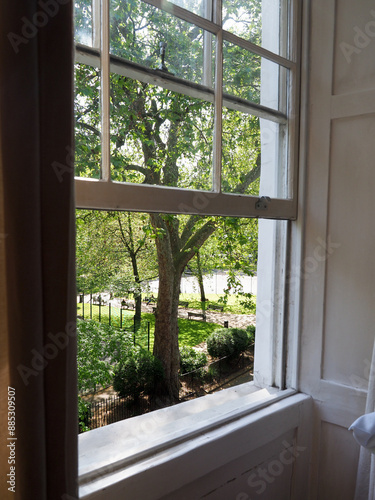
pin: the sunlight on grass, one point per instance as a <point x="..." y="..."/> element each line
<point x="191" y="332"/>
<point x="233" y="306"/>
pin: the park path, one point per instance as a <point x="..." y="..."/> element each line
<point x="234" y="320"/>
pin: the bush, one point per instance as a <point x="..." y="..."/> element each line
<point x="227" y="342"/>
<point x="99" y="348"/>
<point x="241" y="340"/>
<point x="84" y="415"/>
<point x="191" y="360"/>
<point x="138" y="373"/>
<point x="220" y="343"/>
<point x="250" y="330"/>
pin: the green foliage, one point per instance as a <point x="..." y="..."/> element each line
<point x="227" y="342"/>
<point x="247" y="302"/>
<point x="138" y="373"/>
<point x="163" y="137"/>
<point x="191" y="360"/>
<point x="84" y="415"/>
<point x="193" y="332"/>
<point x="250" y="330"/>
<point x="233" y="303"/>
<point x="115" y="252"/>
<point x="220" y="343"/>
<point x="99" y="348"/>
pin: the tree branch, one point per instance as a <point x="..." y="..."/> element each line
<point x="88" y="127"/>
<point x="195" y="243"/>
<point x="250" y="177"/>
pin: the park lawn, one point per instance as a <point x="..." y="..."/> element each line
<point x="233" y="305"/>
<point x="191" y="332"/>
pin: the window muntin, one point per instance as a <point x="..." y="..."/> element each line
<point x="139" y="30"/>
<point x="276" y="104"/>
<point x="247" y="21"/>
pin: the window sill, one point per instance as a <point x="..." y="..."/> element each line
<point x="119" y="450"/>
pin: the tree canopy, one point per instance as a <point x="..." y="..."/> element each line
<point x="164" y="137"/>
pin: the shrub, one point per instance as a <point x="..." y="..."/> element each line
<point x="220" y="343"/>
<point x="241" y="340"/>
<point x="227" y="342"/>
<point x="250" y="330"/>
<point x="99" y="348"/>
<point x="84" y="415"/>
<point x="137" y="373"/>
<point x="191" y="360"/>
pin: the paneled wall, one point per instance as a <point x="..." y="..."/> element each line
<point x="338" y="325"/>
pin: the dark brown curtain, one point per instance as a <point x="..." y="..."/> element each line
<point x="37" y="283"/>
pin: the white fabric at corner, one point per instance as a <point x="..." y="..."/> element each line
<point x="365" y="487"/>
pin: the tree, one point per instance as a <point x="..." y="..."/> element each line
<point x="106" y="242"/>
<point x="164" y="137"/>
<point x="232" y="247"/>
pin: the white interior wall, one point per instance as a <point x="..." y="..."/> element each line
<point x="338" y="313"/>
<point x="338" y="291"/>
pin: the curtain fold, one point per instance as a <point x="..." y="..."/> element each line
<point x="365" y="487"/>
<point x="36" y="141"/>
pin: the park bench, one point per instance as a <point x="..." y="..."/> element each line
<point x="196" y="315"/>
<point x="183" y="303"/>
<point x="215" y="308"/>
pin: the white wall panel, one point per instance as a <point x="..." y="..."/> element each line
<point x="339" y="286"/>
<point x="338" y="463"/>
<point x="354" y="68"/>
<point x="349" y="325"/>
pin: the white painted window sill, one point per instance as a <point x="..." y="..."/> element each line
<point x="106" y="452"/>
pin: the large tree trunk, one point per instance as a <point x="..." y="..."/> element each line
<point x="174" y="251"/>
<point x="166" y="347"/>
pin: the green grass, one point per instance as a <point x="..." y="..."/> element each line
<point x="233" y="305"/>
<point x="191" y="332"/>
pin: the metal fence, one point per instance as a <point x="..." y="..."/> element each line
<point x="113" y="409"/>
<point x="193" y="384"/>
<point x="118" y="317"/>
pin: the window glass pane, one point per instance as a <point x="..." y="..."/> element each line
<point x="202" y="8"/>
<point x="241" y="72"/>
<point x="136" y="313"/>
<point x="240" y="153"/>
<point x="263" y="22"/>
<point x="253" y="156"/>
<point x="159" y="136"/>
<point x="87" y="121"/>
<point x="254" y="78"/>
<point x="146" y="35"/>
<point x="83" y="22"/>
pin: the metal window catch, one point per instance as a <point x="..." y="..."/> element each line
<point x="262" y="203"/>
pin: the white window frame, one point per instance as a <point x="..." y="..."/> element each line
<point x="103" y="461"/>
<point x="110" y="195"/>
